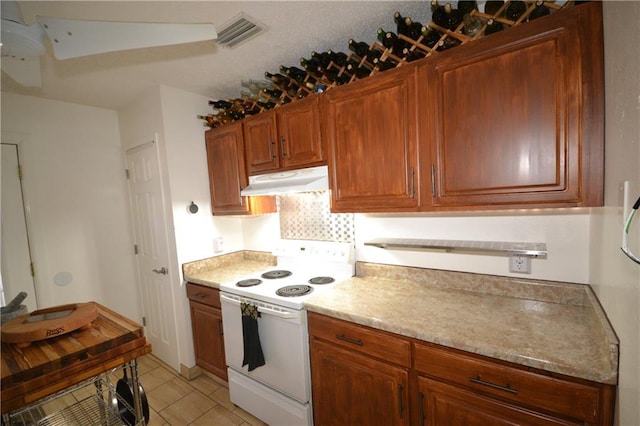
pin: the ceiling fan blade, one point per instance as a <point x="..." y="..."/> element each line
<point x="24" y="71"/>
<point x="73" y="38"/>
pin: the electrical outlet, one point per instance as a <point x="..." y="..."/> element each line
<point x="519" y="264"/>
<point x="218" y="245"/>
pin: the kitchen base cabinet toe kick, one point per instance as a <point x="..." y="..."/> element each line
<point x="365" y="376"/>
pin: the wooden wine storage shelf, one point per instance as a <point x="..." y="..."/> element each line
<point x="448" y="39"/>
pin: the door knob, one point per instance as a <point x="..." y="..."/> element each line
<point x="162" y="271"/>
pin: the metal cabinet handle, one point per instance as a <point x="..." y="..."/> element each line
<point x="507" y="388"/>
<point x="400" y="399"/>
<point x="422" y="414"/>
<point x="412" y="187"/>
<point x="220" y="329"/>
<point x="350" y="340"/>
<point x="283" y="153"/>
<point x="271" y="149"/>
<point x="433" y="180"/>
<point x="162" y="271"/>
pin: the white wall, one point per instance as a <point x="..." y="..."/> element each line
<point x="76" y="201"/>
<point x="565" y="232"/>
<point x="615" y="278"/>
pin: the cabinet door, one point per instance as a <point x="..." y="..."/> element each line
<point x="260" y="136"/>
<point x="227" y="173"/>
<point x="300" y="143"/>
<point x="208" y="341"/>
<point x="370" y="128"/>
<point x="445" y="405"/>
<point x="506" y="120"/>
<point x="352" y="389"/>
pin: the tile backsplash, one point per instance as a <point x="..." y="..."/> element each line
<point x="307" y="216"/>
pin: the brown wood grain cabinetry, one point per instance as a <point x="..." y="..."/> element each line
<point x="284" y="138"/>
<point x="453" y="383"/>
<point x="206" y="324"/>
<point x="370" y="128"/>
<point x="350" y="386"/>
<point x="359" y="376"/>
<point x="516" y="119"/>
<point x="227" y="174"/>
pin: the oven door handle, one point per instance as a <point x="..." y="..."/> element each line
<point x="263" y="309"/>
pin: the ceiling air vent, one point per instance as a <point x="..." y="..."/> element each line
<point x="238" y="30"/>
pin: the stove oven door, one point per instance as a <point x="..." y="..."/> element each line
<point x="284" y="341"/>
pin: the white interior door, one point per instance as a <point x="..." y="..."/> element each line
<point x="16" y="269"/>
<point x="151" y="233"/>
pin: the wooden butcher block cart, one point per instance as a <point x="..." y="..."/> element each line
<point x="77" y="373"/>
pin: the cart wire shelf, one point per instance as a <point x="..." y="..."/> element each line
<point x="93" y="402"/>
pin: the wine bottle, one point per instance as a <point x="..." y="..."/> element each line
<point x="493" y="26"/>
<point x="294" y="72"/>
<point x="339" y="58"/>
<point x="448" y="43"/>
<point x="274" y="93"/>
<point x="400" y="23"/>
<point x="334" y="76"/>
<point x="467" y="6"/>
<point x="412" y="29"/>
<point x="491" y="7"/>
<point x="385" y="65"/>
<point x="360" y="48"/>
<point x="412" y="55"/>
<point x="539" y="11"/>
<point x="394" y="43"/>
<point x="279" y="79"/>
<point x="312" y="66"/>
<point x="430" y="37"/>
<point x="446" y="16"/>
<point x="360" y="72"/>
<point x="220" y="104"/>
<point x="472" y="25"/>
<point x="515" y="10"/>
<point x="266" y="105"/>
<point x="324" y="58"/>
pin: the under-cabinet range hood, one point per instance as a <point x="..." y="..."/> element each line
<point x="301" y="180"/>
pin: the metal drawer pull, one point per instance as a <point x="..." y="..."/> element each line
<point x="350" y="340"/>
<point x="507" y="388"/>
<point x="199" y="296"/>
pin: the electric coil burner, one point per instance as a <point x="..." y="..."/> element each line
<point x="321" y="280"/>
<point x="278" y="273"/>
<point x="294" y="290"/>
<point x="248" y="282"/>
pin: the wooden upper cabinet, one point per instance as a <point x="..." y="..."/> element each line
<point x="227" y="173"/>
<point x="261" y="142"/>
<point x="516" y="118"/>
<point x="285" y="138"/>
<point x="370" y="129"/>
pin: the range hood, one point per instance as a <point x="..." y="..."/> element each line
<point x="301" y="180"/>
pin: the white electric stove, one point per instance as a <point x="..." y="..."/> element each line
<point x="279" y="392"/>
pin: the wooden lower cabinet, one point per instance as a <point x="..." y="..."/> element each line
<point x="445" y="405"/>
<point x="206" y="324"/>
<point x="364" y="376"/>
<point x="353" y="389"/>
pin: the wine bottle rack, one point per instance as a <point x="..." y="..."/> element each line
<point x="357" y="67"/>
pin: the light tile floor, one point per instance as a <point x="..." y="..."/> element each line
<point x="175" y="401"/>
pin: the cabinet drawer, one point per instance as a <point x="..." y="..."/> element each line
<point x="202" y="294"/>
<point x="577" y="400"/>
<point x="363" y="339"/>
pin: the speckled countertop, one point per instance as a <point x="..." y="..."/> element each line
<point x="553" y="326"/>
<point x="213" y="271"/>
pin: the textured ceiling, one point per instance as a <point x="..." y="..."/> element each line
<point x="295" y="29"/>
